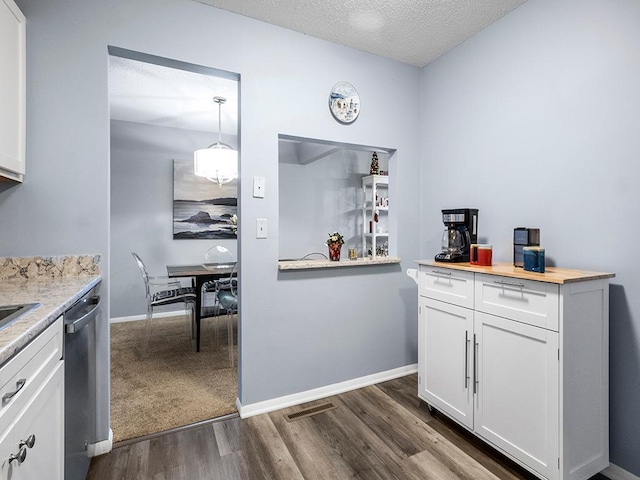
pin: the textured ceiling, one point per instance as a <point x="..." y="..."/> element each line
<point x="415" y="32"/>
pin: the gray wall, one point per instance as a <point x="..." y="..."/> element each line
<point x="142" y="208"/>
<point x="535" y="121"/>
<point x="298" y="331"/>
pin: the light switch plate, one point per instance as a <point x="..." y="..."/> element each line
<point x="258" y="187"/>
<point x="261" y="228"/>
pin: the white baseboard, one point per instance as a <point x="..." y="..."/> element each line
<point x="102" y="447"/>
<point x="134" y="318"/>
<point x="615" y="472"/>
<point x="266" y="406"/>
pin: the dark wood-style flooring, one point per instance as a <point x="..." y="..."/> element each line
<point x="382" y="432"/>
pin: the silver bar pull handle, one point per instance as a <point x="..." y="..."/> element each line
<point x="438" y="272"/>
<point x="466" y="359"/>
<point x="475" y="365"/>
<point x="509" y="284"/>
<point x="6" y="398"/>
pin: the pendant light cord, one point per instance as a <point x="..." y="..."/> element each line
<point x="219" y="101"/>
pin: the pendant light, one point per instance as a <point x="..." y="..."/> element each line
<point x="217" y="162"/>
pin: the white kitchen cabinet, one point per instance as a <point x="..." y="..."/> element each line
<point x="32" y="411"/>
<point x="12" y="91"/>
<point x="516" y="390"/>
<point x="375" y="233"/>
<point x="519" y="361"/>
<point x="446" y="333"/>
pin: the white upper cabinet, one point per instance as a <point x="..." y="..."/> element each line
<point x="12" y="91"/>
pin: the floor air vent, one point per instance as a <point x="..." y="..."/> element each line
<point x="307" y="412"/>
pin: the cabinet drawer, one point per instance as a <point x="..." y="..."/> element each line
<point x="447" y="285"/>
<point x="530" y="302"/>
<point x="21" y="371"/>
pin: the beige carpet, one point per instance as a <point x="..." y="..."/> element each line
<point x="173" y="385"/>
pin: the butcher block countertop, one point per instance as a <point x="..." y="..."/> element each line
<point x="55" y="283"/>
<point x="551" y="274"/>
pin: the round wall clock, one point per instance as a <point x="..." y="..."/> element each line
<point x="344" y="102"/>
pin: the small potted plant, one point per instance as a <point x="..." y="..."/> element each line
<point x="335" y="242"/>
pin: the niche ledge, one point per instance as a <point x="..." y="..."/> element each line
<point x="346" y="263"/>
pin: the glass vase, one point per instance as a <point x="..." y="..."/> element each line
<point x="334" y="251"/>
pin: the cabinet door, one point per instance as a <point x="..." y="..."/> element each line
<point x="12" y="90"/>
<point x="445" y="338"/>
<point x="43" y="418"/>
<point x="517" y="391"/>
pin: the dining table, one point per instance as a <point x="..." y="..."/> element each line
<point x="200" y="274"/>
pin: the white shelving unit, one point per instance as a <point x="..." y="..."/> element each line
<point x="375" y="187"/>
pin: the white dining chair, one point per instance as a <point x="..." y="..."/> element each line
<point x="162" y="291"/>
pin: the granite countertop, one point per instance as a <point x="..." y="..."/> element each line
<point x="54" y="294"/>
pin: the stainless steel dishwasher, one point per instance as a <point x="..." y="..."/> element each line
<point x="80" y="384"/>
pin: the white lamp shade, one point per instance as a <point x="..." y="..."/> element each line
<point x="218" y="163"/>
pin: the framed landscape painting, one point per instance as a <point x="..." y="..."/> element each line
<point x="202" y="208"/>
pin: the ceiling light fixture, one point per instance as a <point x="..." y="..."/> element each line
<point x="217" y="162"/>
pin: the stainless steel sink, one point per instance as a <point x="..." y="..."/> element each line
<point x="10" y="313"/>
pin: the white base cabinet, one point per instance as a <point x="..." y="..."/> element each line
<point x="522" y="364"/>
<point x="32" y="411"/>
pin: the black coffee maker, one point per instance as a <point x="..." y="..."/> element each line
<point x="461" y="232"/>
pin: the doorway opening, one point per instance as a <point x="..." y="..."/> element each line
<point x="161" y="112"/>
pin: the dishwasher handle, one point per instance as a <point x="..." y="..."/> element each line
<point x="77" y="324"/>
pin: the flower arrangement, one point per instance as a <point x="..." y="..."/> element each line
<point x="335" y="237"/>
<point x="234" y="223"/>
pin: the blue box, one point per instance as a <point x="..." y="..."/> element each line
<point x="533" y="259"/>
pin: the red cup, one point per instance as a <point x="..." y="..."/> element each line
<point x="481" y="255"/>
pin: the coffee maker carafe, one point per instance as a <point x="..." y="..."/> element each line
<point x="461" y="232"/>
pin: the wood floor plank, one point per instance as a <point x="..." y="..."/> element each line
<point x="409" y="436"/>
<point x="367" y="451"/>
<point x="344" y="443"/>
<point x="404" y="391"/>
<point x="447" y="454"/>
<point x="267" y="451"/>
<point x="203" y="459"/>
<point x="226" y="435"/>
<point x="397" y="427"/>
<point x="233" y="466"/>
<point x="314" y="451"/>
<point x="432" y="467"/>
<point x="482" y="453"/>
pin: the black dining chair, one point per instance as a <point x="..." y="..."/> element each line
<point x="162" y="291"/>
